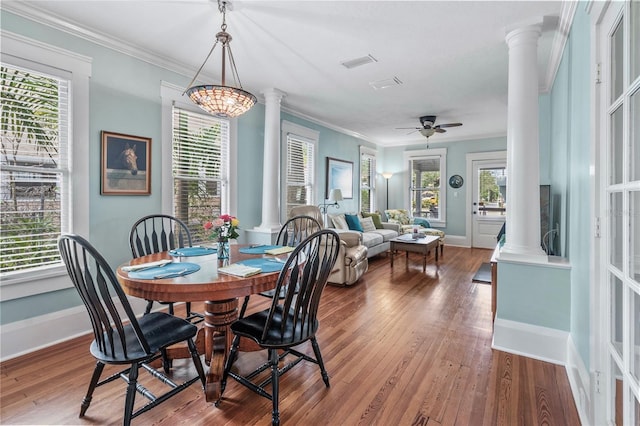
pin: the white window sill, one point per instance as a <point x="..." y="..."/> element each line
<point x="24" y="284"/>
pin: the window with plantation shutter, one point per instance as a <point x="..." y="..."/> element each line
<point x="300" y="171"/>
<point x="367" y="180"/>
<point x="34" y="168"/>
<point x="200" y="158"/>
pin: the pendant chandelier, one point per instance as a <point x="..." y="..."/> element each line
<point x="221" y="100"/>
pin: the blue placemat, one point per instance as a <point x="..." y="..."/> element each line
<point x="192" y="251"/>
<point x="267" y="264"/>
<point x="159" y="272"/>
<point x="256" y="249"/>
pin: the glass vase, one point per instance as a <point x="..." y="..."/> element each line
<point x="223" y="248"/>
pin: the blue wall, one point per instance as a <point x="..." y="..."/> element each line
<point x="576" y="87"/>
<point x="392" y="160"/>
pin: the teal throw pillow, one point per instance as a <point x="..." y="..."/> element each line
<point x="422" y="222"/>
<point x="353" y="222"/>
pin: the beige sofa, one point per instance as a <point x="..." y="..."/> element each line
<point x="376" y="240"/>
<point x="352" y="260"/>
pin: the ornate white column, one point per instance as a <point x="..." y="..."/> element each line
<point x="523" y="157"/>
<point x="271" y="162"/>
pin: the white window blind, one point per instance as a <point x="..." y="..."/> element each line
<point x="200" y="158"/>
<point x="300" y="171"/>
<point x="34" y="168"/>
<point x="367" y="182"/>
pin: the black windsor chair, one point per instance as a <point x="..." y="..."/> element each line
<point x="156" y="233"/>
<point x="294" y="231"/>
<point x="291" y="320"/>
<point x="121" y="338"/>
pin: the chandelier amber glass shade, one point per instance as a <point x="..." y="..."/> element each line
<point x="222" y="101"/>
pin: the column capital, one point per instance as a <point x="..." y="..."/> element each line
<point x="525" y="32"/>
<point x="273" y="94"/>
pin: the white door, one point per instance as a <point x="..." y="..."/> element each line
<point x="489" y="191"/>
<point x="618" y="283"/>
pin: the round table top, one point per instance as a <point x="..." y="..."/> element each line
<point x="203" y="285"/>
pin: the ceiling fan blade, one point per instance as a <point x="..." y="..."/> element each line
<point x="449" y="125"/>
<point x="413" y="131"/>
<point x="408" y="128"/>
<point x="439" y="130"/>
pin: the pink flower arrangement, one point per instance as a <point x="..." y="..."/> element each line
<point x="223" y="227"/>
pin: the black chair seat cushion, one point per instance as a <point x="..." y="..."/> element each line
<point x="159" y="328"/>
<point x="252" y="327"/>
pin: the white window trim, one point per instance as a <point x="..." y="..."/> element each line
<point x="39" y="56"/>
<point x="369" y="151"/>
<point x="415" y="155"/>
<point x="171" y="96"/>
<point x="312" y="136"/>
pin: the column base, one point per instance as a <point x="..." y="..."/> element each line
<point x="261" y="235"/>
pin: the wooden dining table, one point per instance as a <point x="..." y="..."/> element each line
<point x="218" y="291"/>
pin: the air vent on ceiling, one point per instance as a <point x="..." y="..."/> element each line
<point x="358" y="62"/>
<point x="383" y="84"/>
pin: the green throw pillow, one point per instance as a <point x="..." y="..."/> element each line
<point x="377" y="220"/>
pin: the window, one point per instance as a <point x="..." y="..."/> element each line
<point x="299" y="166"/>
<point x="200" y="165"/>
<point x="367" y="180"/>
<point x="34" y="167"/>
<point x="427" y="186"/>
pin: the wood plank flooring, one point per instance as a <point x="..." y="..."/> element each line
<point x="401" y="348"/>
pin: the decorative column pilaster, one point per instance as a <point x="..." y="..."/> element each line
<point x="523" y="154"/>
<point x="271" y="161"/>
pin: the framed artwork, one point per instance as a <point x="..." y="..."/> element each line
<point x="339" y="176"/>
<point x="125" y="166"/>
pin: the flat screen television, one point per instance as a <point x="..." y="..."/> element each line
<point x="545" y="214"/>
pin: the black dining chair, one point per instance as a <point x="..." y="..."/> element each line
<point x="156" y="233"/>
<point x="294" y="231"/>
<point x="119" y="337"/>
<point x="291" y="320"/>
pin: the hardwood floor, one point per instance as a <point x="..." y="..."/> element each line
<point x="401" y="348"/>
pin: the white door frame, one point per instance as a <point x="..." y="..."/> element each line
<point x="471" y="157"/>
<point x="603" y="17"/>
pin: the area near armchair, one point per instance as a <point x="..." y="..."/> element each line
<point x="408" y="224"/>
<point x="352" y="260"/>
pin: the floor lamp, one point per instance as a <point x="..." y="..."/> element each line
<point x="334" y="196"/>
<point x="387" y="176"/>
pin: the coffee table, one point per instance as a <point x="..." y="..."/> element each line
<point x="408" y="244"/>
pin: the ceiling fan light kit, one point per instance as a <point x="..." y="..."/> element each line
<point x="429" y="127"/>
<point x="222" y="100"/>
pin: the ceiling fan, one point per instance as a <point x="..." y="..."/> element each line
<point x="429" y="127"/>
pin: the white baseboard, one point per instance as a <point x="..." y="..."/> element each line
<point x="21" y="337"/>
<point x="545" y="344"/>
<point x="580" y="381"/>
<point x="456" y="240"/>
<point x="550" y="345"/>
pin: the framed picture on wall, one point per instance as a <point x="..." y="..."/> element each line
<point x="339" y="176"/>
<point x="125" y="167"/>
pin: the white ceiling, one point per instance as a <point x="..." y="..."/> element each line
<point x="450" y="56"/>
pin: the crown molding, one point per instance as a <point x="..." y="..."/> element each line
<point x="567" y="14"/>
<point x="35" y="14"/>
<point x="327" y="125"/>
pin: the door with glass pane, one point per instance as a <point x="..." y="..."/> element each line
<point x="489" y="201"/>
<point x="618" y="38"/>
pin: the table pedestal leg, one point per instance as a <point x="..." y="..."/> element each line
<point x="218" y="315"/>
